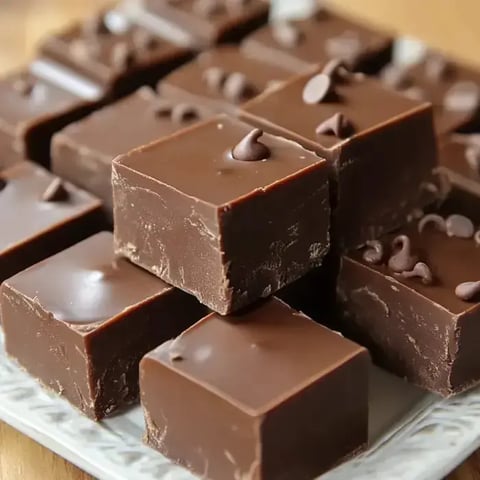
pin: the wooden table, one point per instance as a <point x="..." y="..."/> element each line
<point x="451" y="26"/>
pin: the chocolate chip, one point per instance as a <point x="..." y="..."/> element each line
<point x="183" y="113"/>
<point x="437" y="220"/>
<point x="162" y="108"/>
<point x="402" y="260"/>
<point x="337" y="125"/>
<point x="237" y="88"/>
<point x="420" y="270"/>
<point x="472" y="156"/>
<point x="208" y="8"/>
<point x="346" y="46"/>
<point x="336" y="69"/>
<point x="215" y="78"/>
<point x="462" y="97"/>
<point x="459" y="226"/>
<point x="24" y="86"/>
<point x="145" y="41"/>
<point x="95" y="25"/>
<point x="122" y="56"/>
<point x="287" y="34"/>
<point x="468" y="291"/>
<point x="317" y="89"/>
<point x="437" y="67"/>
<point x="396" y="77"/>
<point x="249" y="149"/>
<point x="55" y="192"/>
<point x="374" y="253"/>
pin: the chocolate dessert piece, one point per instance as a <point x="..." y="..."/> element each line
<point x="271" y="395"/>
<point x="222" y="211"/>
<point x="299" y="44"/>
<point x="40" y="215"/>
<point x="453" y="89"/>
<point x="118" y="59"/>
<point x="380" y="144"/>
<point x="83" y="152"/>
<point x="83" y="332"/>
<point x="203" y="23"/>
<point x="32" y="108"/>
<point x="221" y="79"/>
<point x="412" y="299"/>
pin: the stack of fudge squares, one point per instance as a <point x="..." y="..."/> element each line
<point x="252" y="174"/>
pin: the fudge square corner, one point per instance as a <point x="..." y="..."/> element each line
<point x="381" y="145"/>
<point x="222" y="211"/>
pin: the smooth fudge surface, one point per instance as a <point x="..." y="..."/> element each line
<point x="452" y="88"/>
<point x="83" y="151"/>
<point x="119" y="60"/>
<point x="222" y="79"/>
<point x="382" y="154"/>
<point x="31" y="110"/>
<point x="40" y="216"/>
<point x="204" y="23"/>
<point x="299" y="44"/>
<point x="419" y="328"/>
<point x="226" y="230"/>
<point x="82" y="332"/>
<point x="272" y="395"/>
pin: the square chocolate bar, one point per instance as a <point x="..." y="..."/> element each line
<point x="83" y="332"/>
<point x="221" y="213"/>
<point x="83" y="152"/>
<point x="381" y="145"/>
<point x="271" y="394"/>
<point x="32" y="109"/>
<point x="452" y="88"/>
<point x="413" y="299"/>
<point x="203" y="23"/>
<point x="119" y="56"/>
<point x="221" y="79"/>
<point x="300" y="44"/>
<point x="40" y="215"/>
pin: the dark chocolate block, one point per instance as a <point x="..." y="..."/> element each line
<point x="227" y="226"/>
<point x="81" y="320"/>
<point x="203" y="23"/>
<point x="453" y="89"/>
<point x="299" y="44"/>
<point x="83" y="152"/>
<point x="416" y="307"/>
<point x="380" y="144"/>
<point x="118" y="59"/>
<point x="32" y="109"/>
<point x="271" y="395"/>
<point x="221" y="79"/>
<point x="40" y="215"/>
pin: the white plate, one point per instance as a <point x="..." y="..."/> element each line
<point x="415" y="436"/>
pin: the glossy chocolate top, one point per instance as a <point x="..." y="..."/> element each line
<point x="26" y="98"/>
<point x="448" y="257"/>
<point x="311" y="108"/>
<point x="222" y="78"/>
<point x="86" y="283"/>
<point x="270" y="353"/>
<point x="33" y="201"/>
<point x="139" y="119"/>
<point x="297" y="44"/>
<point x="103" y="53"/>
<point x="200" y="161"/>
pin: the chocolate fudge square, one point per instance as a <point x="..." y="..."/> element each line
<point x="83" y="332"/>
<point x="271" y="395"/>
<point x="412" y="298"/>
<point x="83" y="152"/>
<point x="221" y="213"/>
<point x="221" y="79"/>
<point x="203" y="23"/>
<point x="299" y="44"/>
<point x="452" y="88"/>
<point x="32" y="109"/>
<point x="119" y="60"/>
<point x="40" y="215"/>
<point x="380" y="144"/>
